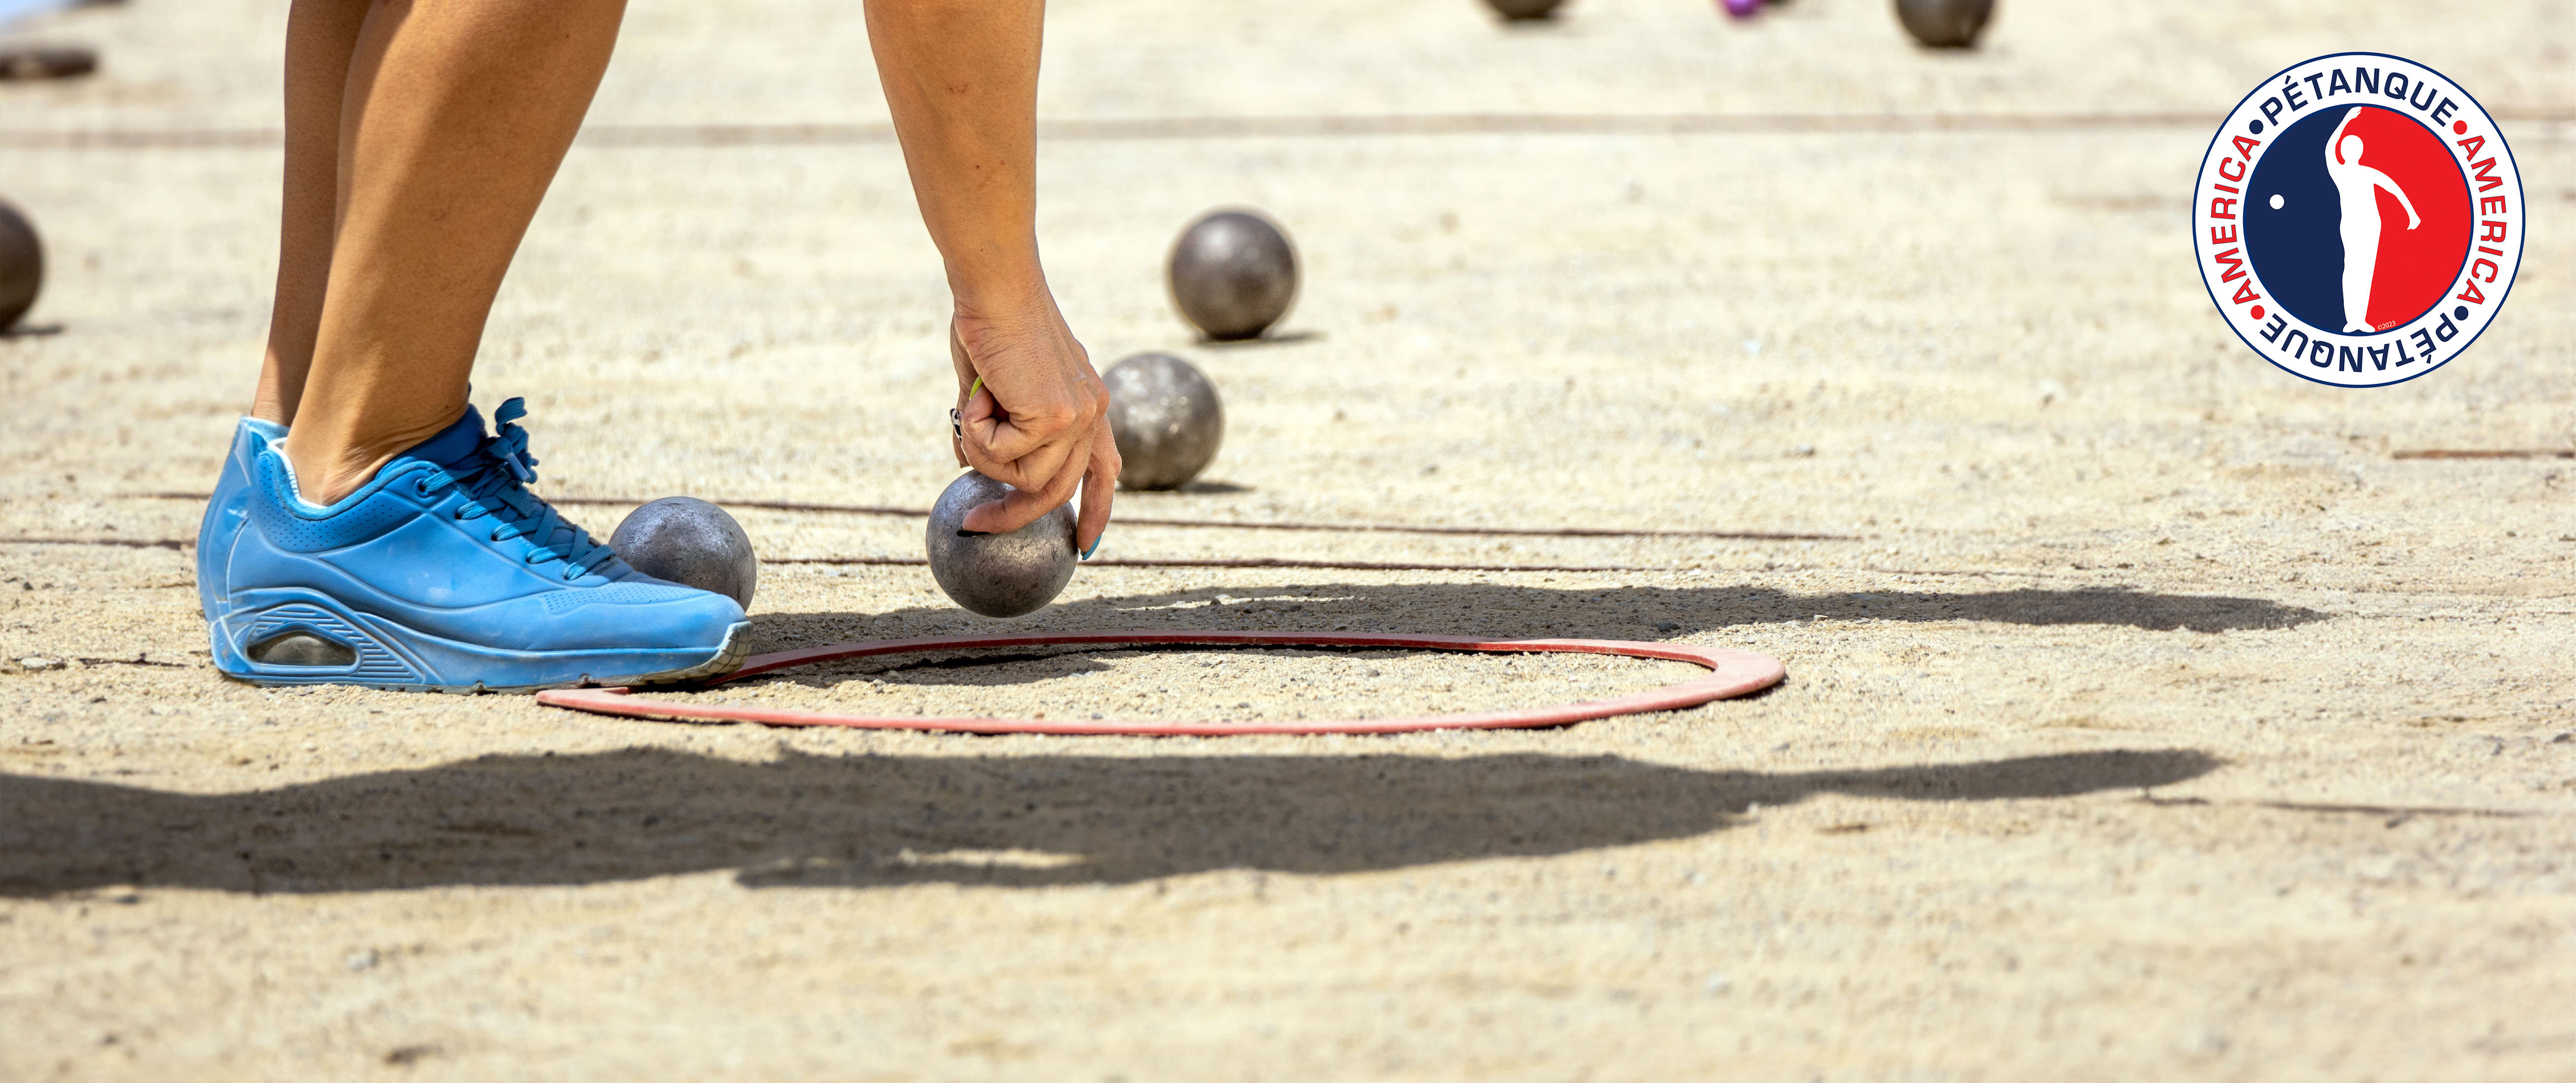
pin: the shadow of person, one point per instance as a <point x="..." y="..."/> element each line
<point x="874" y="820"/>
<point x="1515" y="611"/>
<point x="1490" y="609"/>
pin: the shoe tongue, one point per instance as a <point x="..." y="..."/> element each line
<point x="454" y="445"/>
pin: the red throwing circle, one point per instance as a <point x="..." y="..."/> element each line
<point x="1731" y="673"/>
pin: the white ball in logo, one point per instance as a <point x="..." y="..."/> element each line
<point x="2276" y="201"/>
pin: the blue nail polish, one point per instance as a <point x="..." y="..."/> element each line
<point x="1095" y="545"/>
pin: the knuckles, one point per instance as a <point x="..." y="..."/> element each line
<point x="1049" y="417"/>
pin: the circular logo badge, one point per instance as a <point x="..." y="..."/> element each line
<point x="2358" y="219"/>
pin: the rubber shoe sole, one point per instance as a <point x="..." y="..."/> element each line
<point x="372" y="665"/>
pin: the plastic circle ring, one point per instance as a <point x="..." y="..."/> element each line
<point x="1731" y="673"/>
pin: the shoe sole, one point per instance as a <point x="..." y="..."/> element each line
<point x="729" y="656"/>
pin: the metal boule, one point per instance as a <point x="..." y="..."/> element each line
<point x="29" y="63"/>
<point x="22" y="265"/>
<point x="1524" y="10"/>
<point x="1233" y="274"/>
<point x="1166" y="417"/>
<point x="998" y="575"/>
<point x="1944" y="24"/>
<point x="685" y="540"/>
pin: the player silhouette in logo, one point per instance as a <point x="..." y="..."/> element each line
<point x="2358" y="186"/>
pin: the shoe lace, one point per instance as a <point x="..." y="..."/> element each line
<point x="495" y="487"/>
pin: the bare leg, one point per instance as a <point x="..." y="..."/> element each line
<point x="320" y="35"/>
<point x="453" y="120"/>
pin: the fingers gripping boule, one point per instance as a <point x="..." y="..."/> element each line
<point x="1032" y="413"/>
<point x="1048" y="474"/>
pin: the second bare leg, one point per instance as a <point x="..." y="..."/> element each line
<point x="454" y="119"/>
<point x="320" y="36"/>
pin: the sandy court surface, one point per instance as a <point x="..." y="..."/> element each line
<point x="2146" y="708"/>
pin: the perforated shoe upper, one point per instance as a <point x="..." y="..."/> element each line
<point x="463" y="551"/>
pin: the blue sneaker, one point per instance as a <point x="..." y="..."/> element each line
<point x="446" y="574"/>
<point x="225" y="514"/>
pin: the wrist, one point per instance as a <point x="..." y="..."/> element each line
<point x="998" y="284"/>
<point x="1002" y="300"/>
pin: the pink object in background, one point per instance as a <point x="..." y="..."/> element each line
<point x="1741" y="9"/>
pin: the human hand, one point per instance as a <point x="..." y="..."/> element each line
<point x="1032" y="414"/>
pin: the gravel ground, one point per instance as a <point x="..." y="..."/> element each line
<point x="2146" y="709"/>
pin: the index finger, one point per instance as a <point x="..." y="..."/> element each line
<point x="1034" y="468"/>
<point x="1025" y="505"/>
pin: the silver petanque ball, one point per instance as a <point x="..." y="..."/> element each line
<point x="22" y="265"/>
<point x="1166" y="417"/>
<point x="998" y="575"/>
<point x="1233" y="274"/>
<point x="1524" y="10"/>
<point x="1944" y="24"/>
<point x="685" y="540"/>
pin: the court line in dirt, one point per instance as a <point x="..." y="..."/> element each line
<point x="1239" y="562"/>
<point x="2485" y="453"/>
<point x="1244" y="127"/>
<point x="1204" y="524"/>
<point x="1361" y="125"/>
<point x="2399" y="813"/>
<point x="917" y="562"/>
<point x="1232" y="524"/>
<point x="119" y="543"/>
<point x="1264" y="562"/>
<point x="1381" y="566"/>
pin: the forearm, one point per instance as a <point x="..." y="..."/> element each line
<point x="961" y="78"/>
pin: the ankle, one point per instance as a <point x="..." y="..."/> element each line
<point x="331" y="461"/>
<point x="268" y="410"/>
<point x="325" y="475"/>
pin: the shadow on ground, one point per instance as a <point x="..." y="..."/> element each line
<point x="875" y="820"/>
<point x="1198" y="487"/>
<point x="1518" y="611"/>
<point x="1274" y="338"/>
